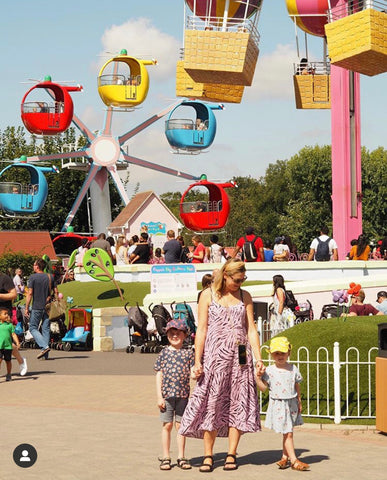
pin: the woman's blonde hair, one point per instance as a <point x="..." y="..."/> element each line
<point x="230" y="268"/>
<point x="120" y="242"/>
<point x="197" y="238"/>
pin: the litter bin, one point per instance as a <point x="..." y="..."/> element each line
<point x="381" y="379"/>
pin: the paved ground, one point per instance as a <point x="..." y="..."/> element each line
<point x="92" y="415"/>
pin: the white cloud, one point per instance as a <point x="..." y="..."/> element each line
<point x="143" y="40"/>
<point x="273" y="74"/>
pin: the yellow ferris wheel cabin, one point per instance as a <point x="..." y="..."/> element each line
<point x="123" y="81"/>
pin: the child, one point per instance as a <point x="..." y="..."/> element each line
<point x="7" y="334"/>
<point x="172" y="383"/>
<point x="284" y="409"/>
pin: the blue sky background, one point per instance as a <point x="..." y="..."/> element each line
<point x="69" y="41"/>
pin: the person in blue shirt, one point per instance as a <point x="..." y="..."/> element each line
<point x="382" y="302"/>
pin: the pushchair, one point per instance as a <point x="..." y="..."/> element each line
<point x="138" y="333"/>
<point x="303" y="312"/>
<point x="58" y="330"/>
<point x="183" y="311"/>
<point x="332" y="310"/>
<point x="161" y="317"/>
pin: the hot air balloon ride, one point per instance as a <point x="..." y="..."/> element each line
<point x="191" y="135"/>
<point x="27" y="196"/>
<point x="123" y="81"/>
<point x="208" y="215"/>
<point x="48" y="117"/>
<point x="357" y="36"/>
<point x="311" y="79"/>
<point x="221" y="41"/>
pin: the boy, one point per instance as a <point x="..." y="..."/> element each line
<point x="173" y="367"/>
<point x="7" y="334"/>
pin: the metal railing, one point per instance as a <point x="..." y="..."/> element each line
<point x="118" y="79"/>
<point x="42" y="107"/>
<point x="312" y="68"/>
<point x="216" y="24"/>
<point x="332" y="388"/>
<point x="355" y="6"/>
<point x="202" y="206"/>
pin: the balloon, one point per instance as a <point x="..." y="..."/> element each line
<point x="60" y="296"/>
<point x="214" y="9"/>
<point x="310" y="15"/>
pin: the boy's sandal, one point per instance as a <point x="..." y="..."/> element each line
<point x="165" y="463"/>
<point x="207" y="467"/>
<point x="283" y="463"/>
<point x="183" y="463"/>
<point x="300" y="466"/>
<point x="230" y="465"/>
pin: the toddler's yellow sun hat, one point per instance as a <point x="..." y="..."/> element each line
<point x="279" y="344"/>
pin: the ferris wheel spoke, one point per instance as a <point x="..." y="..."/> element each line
<point x="83" y="191"/>
<point x="83" y="129"/>
<point x="142" y="126"/>
<point x="159" y="168"/>
<point x="118" y="182"/>
<point x="56" y="156"/>
<point x="107" y="127"/>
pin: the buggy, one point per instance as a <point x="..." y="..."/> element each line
<point x="332" y="310"/>
<point x="304" y="312"/>
<point x="161" y="317"/>
<point x="183" y="311"/>
<point x="138" y="333"/>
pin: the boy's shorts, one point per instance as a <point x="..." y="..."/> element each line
<point x="174" y="407"/>
<point x="6" y="354"/>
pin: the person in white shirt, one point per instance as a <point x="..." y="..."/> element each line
<point x="317" y="245"/>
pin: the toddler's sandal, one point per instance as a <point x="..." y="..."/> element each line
<point x="183" y="463"/>
<point x="165" y="463"/>
<point x="300" y="466"/>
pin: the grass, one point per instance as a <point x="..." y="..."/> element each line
<point x="318" y="337"/>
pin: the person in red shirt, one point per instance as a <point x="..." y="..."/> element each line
<point x="197" y="256"/>
<point x="250" y="235"/>
<point x="358" y="308"/>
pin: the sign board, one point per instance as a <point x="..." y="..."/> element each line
<point x="169" y="278"/>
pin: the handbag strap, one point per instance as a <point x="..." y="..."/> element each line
<point x="49" y="286"/>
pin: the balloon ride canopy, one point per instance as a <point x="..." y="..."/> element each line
<point x="221" y="41"/>
<point x="358" y="41"/>
<point x="210" y="92"/>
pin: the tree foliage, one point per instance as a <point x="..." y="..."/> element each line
<point x="294" y="198"/>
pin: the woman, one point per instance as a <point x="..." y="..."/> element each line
<point x="361" y="250"/>
<point x="281" y="316"/>
<point x="197" y="256"/>
<point x="225" y="401"/>
<point x="121" y="251"/>
<point x="281" y="250"/>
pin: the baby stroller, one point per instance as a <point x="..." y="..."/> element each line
<point x="303" y="312"/>
<point x="58" y="331"/>
<point x="161" y="317"/>
<point x="183" y="311"/>
<point x="138" y="333"/>
<point x="332" y="310"/>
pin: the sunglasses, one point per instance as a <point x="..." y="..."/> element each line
<point x="238" y="281"/>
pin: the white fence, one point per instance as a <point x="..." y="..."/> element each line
<point x="332" y="388"/>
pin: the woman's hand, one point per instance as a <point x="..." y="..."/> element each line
<point x="259" y="368"/>
<point x="197" y="370"/>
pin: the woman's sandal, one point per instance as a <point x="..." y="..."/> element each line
<point x="230" y="465"/>
<point x="183" y="463"/>
<point x="165" y="463"/>
<point x="283" y="463"/>
<point x="207" y="467"/>
<point x="300" y="466"/>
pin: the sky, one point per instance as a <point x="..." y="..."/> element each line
<point x="71" y="40"/>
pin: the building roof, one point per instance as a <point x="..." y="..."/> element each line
<point x="34" y="243"/>
<point x="132" y="208"/>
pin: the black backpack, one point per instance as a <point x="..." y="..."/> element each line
<point x="290" y="300"/>
<point x="322" y="251"/>
<point x="249" y="252"/>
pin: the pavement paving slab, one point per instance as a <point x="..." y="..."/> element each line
<point x="93" y="415"/>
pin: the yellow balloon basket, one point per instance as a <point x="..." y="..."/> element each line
<point x="312" y="91"/>
<point x="215" y="57"/>
<point x="358" y="42"/>
<point x="211" y="92"/>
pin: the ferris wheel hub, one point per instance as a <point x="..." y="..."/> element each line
<point x="105" y="151"/>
